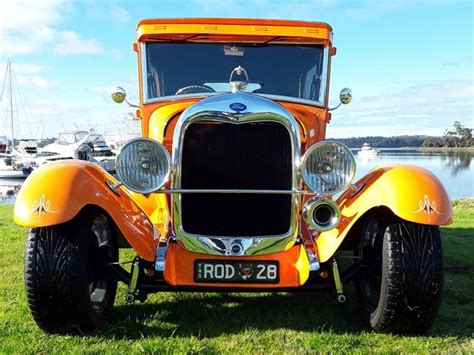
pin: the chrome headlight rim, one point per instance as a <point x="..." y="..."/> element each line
<point x="166" y="176"/>
<point x="306" y="156"/>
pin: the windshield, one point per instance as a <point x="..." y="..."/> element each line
<point x="71" y="137"/>
<point x="186" y="68"/>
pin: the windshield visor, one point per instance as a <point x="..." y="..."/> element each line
<point x="296" y="71"/>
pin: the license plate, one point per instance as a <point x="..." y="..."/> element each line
<point x="236" y="271"/>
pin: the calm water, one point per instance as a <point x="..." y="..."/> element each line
<point x="454" y="169"/>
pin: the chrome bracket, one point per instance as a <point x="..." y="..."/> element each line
<point x="114" y="187"/>
<point x="313" y="260"/>
<point x="356" y="189"/>
<point x="309" y="245"/>
<point x="160" y="260"/>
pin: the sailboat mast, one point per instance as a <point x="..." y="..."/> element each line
<point x="9" y="65"/>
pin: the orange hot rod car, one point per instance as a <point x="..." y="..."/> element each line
<point x="233" y="187"/>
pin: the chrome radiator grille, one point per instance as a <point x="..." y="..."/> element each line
<point x="245" y="156"/>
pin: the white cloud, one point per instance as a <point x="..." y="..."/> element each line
<point x="28" y="68"/>
<point x="28" y="26"/>
<point x="68" y="42"/>
<point x="35" y="81"/>
<point x="24" y="68"/>
<point x="103" y="89"/>
<point x="307" y="9"/>
<point x="28" y="75"/>
<point x="424" y="108"/>
<point x="120" y="14"/>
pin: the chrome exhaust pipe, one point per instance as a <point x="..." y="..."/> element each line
<point x="321" y="214"/>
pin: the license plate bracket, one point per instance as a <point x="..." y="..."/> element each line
<point x="237" y="271"/>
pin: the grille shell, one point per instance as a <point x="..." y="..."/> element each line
<point x="217" y="155"/>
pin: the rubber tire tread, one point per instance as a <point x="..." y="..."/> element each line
<point x="412" y="279"/>
<point x="56" y="278"/>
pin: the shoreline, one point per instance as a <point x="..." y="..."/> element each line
<point x="446" y="149"/>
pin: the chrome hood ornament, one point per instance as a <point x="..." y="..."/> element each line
<point x="238" y="84"/>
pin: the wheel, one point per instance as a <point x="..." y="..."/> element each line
<point x="68" y="287"/>
<point x="400" y="287"/>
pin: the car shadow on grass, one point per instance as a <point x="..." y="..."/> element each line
<point x="209" y="315"/>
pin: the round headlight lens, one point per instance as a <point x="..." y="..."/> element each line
<point x="328" y="167"/>
<point x="143" y="165"/>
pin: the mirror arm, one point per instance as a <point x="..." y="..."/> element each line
<point x="335" y="107"/>
<point x="130" y="104"/>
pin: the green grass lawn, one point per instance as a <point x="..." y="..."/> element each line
<point x="247" y="323"/>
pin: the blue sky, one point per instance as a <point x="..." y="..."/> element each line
<point x="408" y="63"/>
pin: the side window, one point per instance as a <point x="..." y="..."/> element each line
<point x="312" y="83"/>
<point x="153" y="76"/>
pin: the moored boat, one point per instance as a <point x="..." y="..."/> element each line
<point x="367" y="152"/>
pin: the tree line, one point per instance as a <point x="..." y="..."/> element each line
<point x="456" y="137"/>
<point x="385" y="142"/>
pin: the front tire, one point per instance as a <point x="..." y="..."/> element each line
<point x="401" y="284"/>
<point x="68" y="286"/>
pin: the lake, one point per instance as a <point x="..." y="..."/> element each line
<point x="453" y="168"/>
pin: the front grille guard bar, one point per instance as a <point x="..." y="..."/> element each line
<point x="234" y="191"/>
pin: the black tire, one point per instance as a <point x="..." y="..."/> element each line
<point x="401" y="285"/>
<point x="68" y="287"/>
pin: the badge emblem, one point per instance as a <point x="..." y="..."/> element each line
<point x="237" y="106"/>
<point x="245" y="271"/>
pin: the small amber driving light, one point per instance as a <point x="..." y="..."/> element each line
<point x="328" y="167"/>
<point x="143" y="165"/>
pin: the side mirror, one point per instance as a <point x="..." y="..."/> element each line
<point x="119" y="95"/>
<point x="345" y="96"/>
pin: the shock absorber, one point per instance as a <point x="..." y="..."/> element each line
<point x="337" y="281"/>
<point x="132" y="286"/>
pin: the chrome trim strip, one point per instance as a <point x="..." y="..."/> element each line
<point x="324" y="75"/>
<point x="144" y="72"/>
<point x="217" y="109"/>
<point x="296" y="100"/>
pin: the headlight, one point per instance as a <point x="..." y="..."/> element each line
<point x="143" y="165"/>
<point x="328" y="167"/>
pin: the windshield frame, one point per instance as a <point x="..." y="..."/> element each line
<point x="146" y="100"/>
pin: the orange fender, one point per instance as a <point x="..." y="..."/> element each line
<point x="410" y="192"/>
<point x="55" y="193"/>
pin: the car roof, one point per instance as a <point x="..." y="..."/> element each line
<point x="228" y="29"/>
